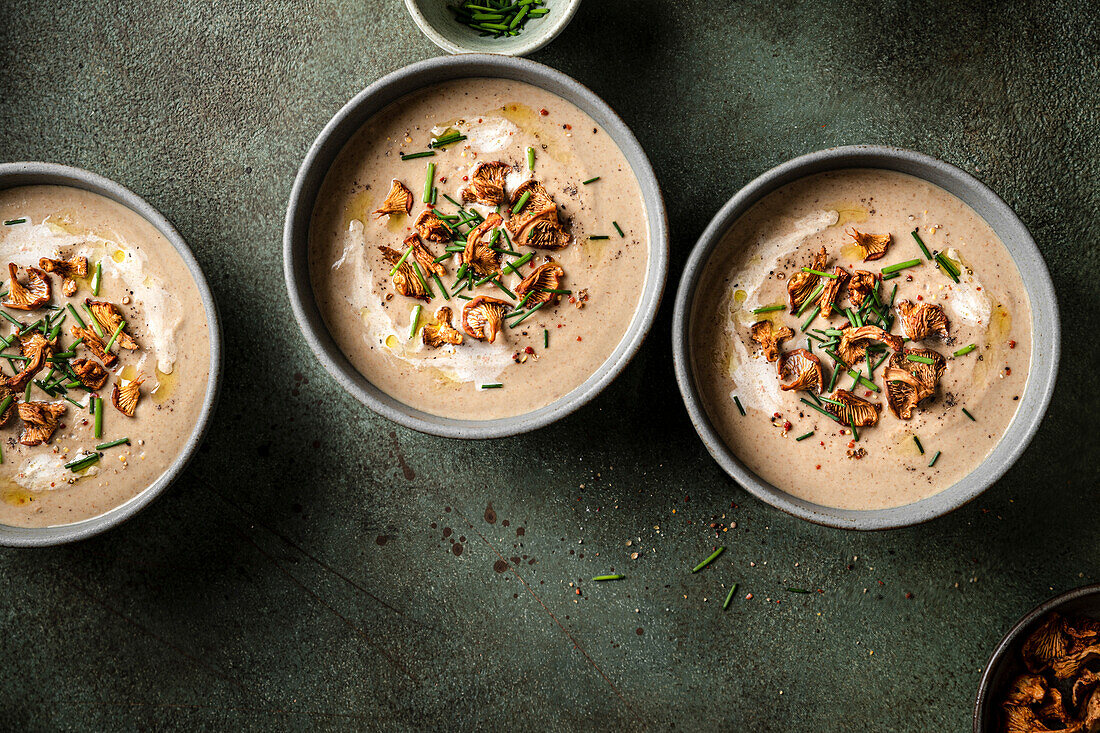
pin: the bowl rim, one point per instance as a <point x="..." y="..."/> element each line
<point x="546" y="32"/>
<point x="1045" y="352"/>
<point x="1013" y="635"/>
<point x="35" y="173"/>
<point x="330" y="142"/>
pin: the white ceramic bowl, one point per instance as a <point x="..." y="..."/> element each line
<point x="439" y="25"/>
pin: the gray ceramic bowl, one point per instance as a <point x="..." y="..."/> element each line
<point x="1044" y="324"/>
<point x="439" y="25"/>
<point x="1005" y="660"/>
<point x="34" y="174"/>
<point x="324" y="151"/>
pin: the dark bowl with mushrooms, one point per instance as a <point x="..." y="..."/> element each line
<point x="1044" y="675"/>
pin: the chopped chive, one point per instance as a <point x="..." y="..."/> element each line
<point x="97" y="277"/>
<point x="429" y="183"/>
<point x="768" y="309"/>
<point x="527" y="314"/>
<point x="415" y="321"/>
<point x="822" y="410"/>
<point x="829" y="275"/>
<point x="513" y="266"/>
<point x="530" y="159"/>
<point x="545" y="343"/>
<point x="590" y="180"/>
<point x="804" y="436"/>
<point x="947" y="267"/>
<point x="831" y="401"/>
<point x="118" y="330"/>
<point x="618" y="228"/>
<point x="510" y="294"/>
<point x="713" y="556"/>
<point x="559" y="291"/>
<point x="447" y="140"/>
<point x="597" y="237"/>
<point x="919" y="446"/>
<point x="858" y="376"/>
<point x="112" y="444"/>
<point x="442" y="287"/>
<point x="900" y="266"/>
<point x="465" y="297"/>
<point x="16" y="321"/>
<point x="422" y="279"/>
<point x="737" y="402"/>
<point x="891" y="276"/>
<point x="934" y="459"/>
<point x="921" y="359"/>
<point x="920" y="241"/>
<point x="413" y="156"/>
<point x="965" y="350"/>
<point x="9" y="222"/>
<point x="498" y="385"/>
<point x="97" y="411"/>
<point x="813" y="296"/>
<point x="84" y="325"/>
<point x="522" y="202"/>
<point x="967" y="413"/>
<point x="729" y="596"/>
<point x="5" y="404"/>
<point x="83" y="462"/>
<point x="852" y="425"/>
<point x="813" y="315"/>
<point x="609" y="577"/>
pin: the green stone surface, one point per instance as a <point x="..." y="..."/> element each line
<point x="301" y="575"/>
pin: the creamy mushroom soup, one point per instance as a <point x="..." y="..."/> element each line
<point x="861" y="339"/>
<point x="479" y="248"/>
<point x="105" y="358"/>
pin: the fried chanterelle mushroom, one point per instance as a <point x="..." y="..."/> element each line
<point x="406" y="280"/>
<point x="853" y="342"/>
<point x="910" y="382"/>
<point x="94" y="344"/>
<point x="860" y="287"/>
<point x="487" y="184"/>
<point x="125" y="397"/>
<point x="545" y="278"/>
<point x="536" y="223"/>
<point x="430" y="227"/>
<point x="871" y="246"/>
<point x="802" y="284"/>
<point x="398" y="201"/>
<point x="482" y="316"/>
<point x="110" y="317"/>
<point x="441" y="332"/>
<point x="853" y="410"/>
<point x="803" y="369"/>
<point x="770" y="339"/>
<point x="827" y="301"/>
<point x="1062" y="655"/>
<point x="34" y="295"/>
<point x="37" y="349"/>
<point x="922" y="320"/>
<point x="69" y="270"/>
<point x="89" y="372"/>
<point x="479" y="254"/>
<point x="39" y="421"/>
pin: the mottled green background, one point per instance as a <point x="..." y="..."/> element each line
<point x="299" y="575"/>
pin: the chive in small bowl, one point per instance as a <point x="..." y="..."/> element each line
<point x="438" y="22"/>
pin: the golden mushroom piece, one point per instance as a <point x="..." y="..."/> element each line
<point x="37" y="349"/>
<point x="406" y="280"/>
<point x="545" y="278"/>
<point x="536" y="223"/>
<point x="441" y="332"/>
<point x="910" y="381"/>
<point x="398" y="201"/>
<point x="125" y="397"/>
<point x="544" y="234"/>
<point x="769" y="339"/>
<point x="853" y="410"/>
<point x="922" y="320"/>
<point x="12" y="407"/>
<point x="803" y="369"/>
<point x="430" y="227"/>
<point x="853" y="342"/>
<point x="69" y="270"/>
<point x="487" y="183"/>
<point x="34" y="295"/>
<point x="1027" y="689"/>
<point x="871" y="246"/>
<point x="89" y="372"/>
<point x="479" y="255"/>
<point x="110" y="318"/>
<point x="39" y="421"/>
<point x="482" y="316"/>
<point x="94" y="344"/>
<point x="860" y="287"/>
<point x="802" y="284"/>
<point x="832" y="290"/>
